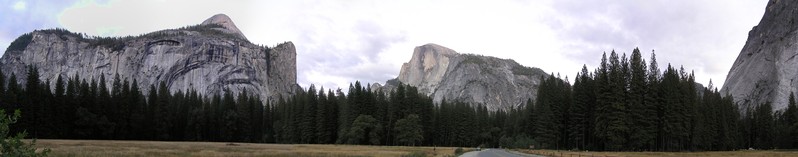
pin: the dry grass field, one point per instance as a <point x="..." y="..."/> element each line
<point x="102" y="148"/>
<point x="214" y="149"/>
<point x="742" y="153"/>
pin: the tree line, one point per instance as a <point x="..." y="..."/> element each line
<point x="624" y="104"/>
<point x="89" y="109"/>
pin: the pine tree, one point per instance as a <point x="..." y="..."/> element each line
<point x="547" y="123"/>
<point x="654" y="103"/>
<point x="103" y="97"/>
<point x="582" y="111"/>
<point x="228" y="117"/>
<point x="3" y="83"/>
<point x="70" y="105"/>
<point x="60" y="107"/>
<point x="763" y="127"/>
<point x="544" y="122"/>
<point x="529" y="108"/>
<point x="642" y="135"/>
<point x="791" y="121"/>
<point x="14" y="92"/>
<point x="31" y="107"/>
<point x="322" y="132"/>
<point x="116" y="110"/>
<point x="268" y="123"/>
<point x="138" y="111"/>
<point x="409" y="130"/>
<point x="603" y="99"/>
<point x="617" y="127"/>
<point x="149" y="112"/>
<point x="256" y="119"/>
<point x="332" y="116"/>
<point x="308" y="114"/>
<point x="91" y="101"/>
<point x="365" y="130"/>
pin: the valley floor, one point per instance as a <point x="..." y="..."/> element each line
<point x="740" y="153"/>
<point x="160" y="148"/>
<point x="203" y="149"/>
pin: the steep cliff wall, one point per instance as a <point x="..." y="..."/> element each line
<point x="442" y="73"/>
<point x="210" y="58"/>
<point x="766" y="69"/>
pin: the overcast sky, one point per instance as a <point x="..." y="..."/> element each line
<point x="339" y="42"/>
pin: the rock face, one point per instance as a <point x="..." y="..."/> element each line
<point x="210" y="58"/>
<point x="440" y="72"/>
<point x="766" y="70"/>
<point x="226" y="22"/>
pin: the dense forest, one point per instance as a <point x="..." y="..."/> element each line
<point x="623" y="105"/>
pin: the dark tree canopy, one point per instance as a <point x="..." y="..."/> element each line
<point x="625" y="104"/>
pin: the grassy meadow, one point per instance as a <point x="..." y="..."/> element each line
<point x="740" y="153"/>
<point x="102" y="148"/>
<point x="217" y="149"/>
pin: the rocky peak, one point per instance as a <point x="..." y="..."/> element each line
<point x="226" y="22"/>
<point x="765" y="69"/>
<point x="442" y="73"/>
<point x="427" y="67"/>
<point x="183" y="59"/>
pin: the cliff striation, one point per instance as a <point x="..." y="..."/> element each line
<point x="212" y="58"/>
<point x="766" y="70"/>
<point x="440" y="72"/>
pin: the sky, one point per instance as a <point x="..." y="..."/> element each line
<point x="342" y="41"/>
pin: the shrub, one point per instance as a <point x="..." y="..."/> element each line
<point x="518" y="141"/>
<point x="459" y="151"/>
<point x="415" y="154"/>
<point x="20" y="43"/>
<point x="13" y="146"/>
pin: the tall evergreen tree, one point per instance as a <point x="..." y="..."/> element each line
<point x="308" y="124"/>
<point x="791" y="123"/>
<point x="3" y="83"/>
<point x="642" y="135"/>
<point x="32" y="104"/>
<point x="409" y="130"/>
<point x="584" y="100"/>
<point x="763" y="128"/>
<point x="618" y="126"/>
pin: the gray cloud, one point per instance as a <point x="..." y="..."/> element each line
<point x="35" y="15"/>
<point x="355" y="58"/>
<point x="695" y="34"/>
<point x="339" y="43"/>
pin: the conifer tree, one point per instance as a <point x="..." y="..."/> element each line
<point x="582" y="111"/>
<point x="32" y="104"/>
<point x="409" y="130"/>
<point x="642" y="135"/>
<point x="763" y="129"/>
<point x="791" y="122"/>
<point x="3" y="83"/>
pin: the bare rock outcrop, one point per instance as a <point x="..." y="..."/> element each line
<point x="766" y="70"/>
<point x="210" y="58"/>
<point x="442" y="73"/>
<point x="226" y="23"/>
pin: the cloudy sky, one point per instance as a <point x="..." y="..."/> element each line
<point x="339" y="42"/>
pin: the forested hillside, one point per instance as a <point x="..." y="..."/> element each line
<point x="626" y="104"/>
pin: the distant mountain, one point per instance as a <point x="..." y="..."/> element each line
<point x="211" y="58"/>
<point x="440" y="72"/>
<point x="766" y="70"/>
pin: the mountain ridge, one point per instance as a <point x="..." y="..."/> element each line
<point x="212" y="57"/>
<point x="442" y="73"/>
<point x="764" y="70"/>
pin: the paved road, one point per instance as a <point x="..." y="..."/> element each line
<point x="497" y="153"/>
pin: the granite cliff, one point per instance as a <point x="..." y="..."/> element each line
<point x="440" y="72"/>
<point x="211" y="58"/>
<point x="766" y="70"/>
